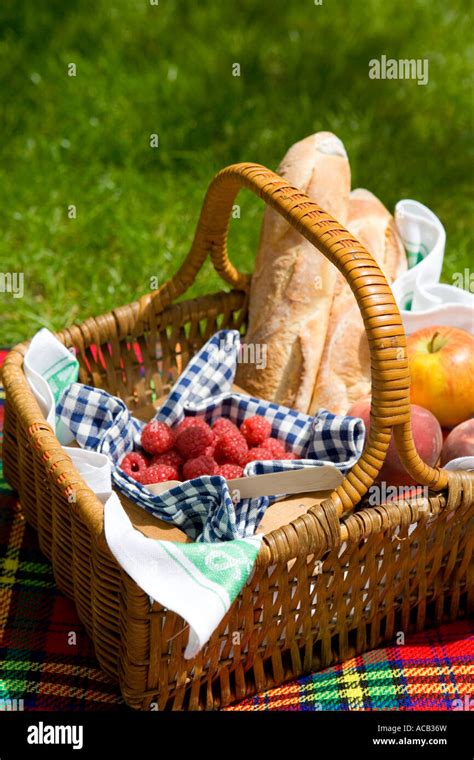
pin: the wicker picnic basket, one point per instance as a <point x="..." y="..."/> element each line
<point x="332" y="583"/>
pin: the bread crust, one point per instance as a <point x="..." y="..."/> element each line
<point x="344" y="372"/>
<point x="293" y="284"/>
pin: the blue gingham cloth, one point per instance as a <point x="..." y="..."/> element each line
<point x="203" y="507"/>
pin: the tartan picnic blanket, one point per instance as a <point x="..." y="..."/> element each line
<point x="47" y="659"/>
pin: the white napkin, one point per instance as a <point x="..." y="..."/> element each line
<point x="461" y="463"/>
<point x="422" y="300"/>
<point x="50" y="368"/>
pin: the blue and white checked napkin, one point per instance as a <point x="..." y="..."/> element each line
<point x="203" y="507"/>
<point x="199" y="580"/>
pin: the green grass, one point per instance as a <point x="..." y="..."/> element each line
<point x="167" y="69"/>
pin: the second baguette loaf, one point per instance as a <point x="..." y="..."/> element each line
<point x="293" y="284"/>
<point x="344" y="371"/>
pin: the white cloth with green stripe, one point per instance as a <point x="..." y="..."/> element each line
<point x="50" y="368"/>
<point x="424" y="301"/>
<point x="198" y="581"/>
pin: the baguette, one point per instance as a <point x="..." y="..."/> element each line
<point x="293" y="284"/>
<point x="344" y="371"/>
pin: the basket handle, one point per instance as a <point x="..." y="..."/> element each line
<point x="389" y="364"/>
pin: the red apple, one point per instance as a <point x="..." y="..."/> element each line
<point x="427" y="436"/>
<point x="442" y="369"/>
<point x="459" y="443"/>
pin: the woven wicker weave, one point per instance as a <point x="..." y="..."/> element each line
<point x="378" y="577"/>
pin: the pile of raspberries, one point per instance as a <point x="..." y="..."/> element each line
<point x="194" y="448"/>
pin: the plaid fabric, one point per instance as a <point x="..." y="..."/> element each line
<point x="46" y="657"/>
<point x="203" y="507"/>
<point x="37" y="664"/>
<point x="433" y="670"/>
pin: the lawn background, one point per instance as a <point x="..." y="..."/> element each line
<point x="167" y="69"/>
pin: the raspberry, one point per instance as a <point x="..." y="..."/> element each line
<point x="287" y="455"/>
<point x="276" y="447"/>
<point x="223" y="424"/>
<point x="255" y="430"/>
<point x="209" y="451"/>
<point x="172" y="457"/>
<point x="190" y="422"/>
<point x="230" y="471"/>
<point x="134" y="464"/>
<point x="159" y="473"/>
<point x="230" y="448"/>
<point x="255" y="454"/>
<point x="202" y="465"/>
<point x="157" y="437"/>
<point x="193" y="441"/>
